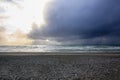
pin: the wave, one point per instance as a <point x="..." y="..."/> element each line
<point x="58" y="48"/>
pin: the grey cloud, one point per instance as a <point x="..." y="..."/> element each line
<point x="90" y="20"/>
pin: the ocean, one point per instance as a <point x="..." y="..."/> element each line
<point x="61" y="48"/>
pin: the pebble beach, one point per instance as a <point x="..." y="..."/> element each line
<point x="60" y="67"/>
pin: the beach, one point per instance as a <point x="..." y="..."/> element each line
<point x="54" y="66"/>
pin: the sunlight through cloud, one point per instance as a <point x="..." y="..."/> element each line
<point x="22" y="17"/>
<point x="18" y="17"/>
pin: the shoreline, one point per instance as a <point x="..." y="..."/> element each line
<point x="61" y="53"/>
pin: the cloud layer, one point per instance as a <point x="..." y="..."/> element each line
<point x="72" y="21"/>
<point x="17" y="38"/>
<point x="81" y="21"/>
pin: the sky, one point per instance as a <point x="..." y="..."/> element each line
<point x="31" y="22"/>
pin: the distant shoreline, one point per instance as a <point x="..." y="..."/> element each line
<point x="61" y="53"/>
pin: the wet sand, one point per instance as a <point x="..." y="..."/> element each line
<point x="54" y="66"/>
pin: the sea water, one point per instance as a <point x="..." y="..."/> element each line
<point x="60" y="48"/>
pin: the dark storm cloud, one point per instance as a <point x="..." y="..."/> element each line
<point x="94" y="20"/>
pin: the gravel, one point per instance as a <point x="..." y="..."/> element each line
<point x="59" y="67"/>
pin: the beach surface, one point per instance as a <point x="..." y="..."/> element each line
<point x="59" y="66"/>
